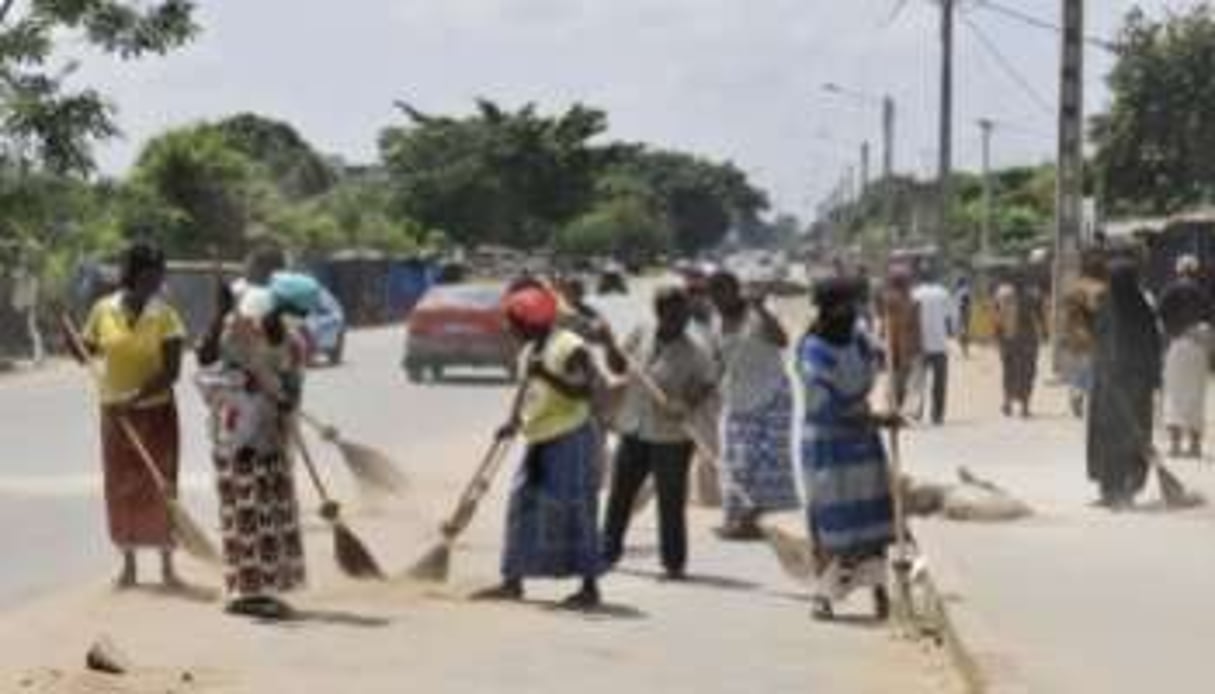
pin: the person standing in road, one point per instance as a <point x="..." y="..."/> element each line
<point x="938" y="323"/>
<point x="963" y="301"/>
<point x="850" y="512"/>
<point x="25" y="289"/>
<point x="1126" y="374"/>
<point x="757" y="434"/>
<point x="253" y="388"/>
<point x="139" y="337"/>
<point x="1079" y="338"/>
<point x="654" y="434"/>
<point x="1020" y="326"/>
<point x="1185" y="311"/>
<point x="552" y="519"/>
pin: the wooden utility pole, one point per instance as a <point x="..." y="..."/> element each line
<point x="987" y="126"/>
<point x="1069" y="194"/>
<point x="945" y="151"/>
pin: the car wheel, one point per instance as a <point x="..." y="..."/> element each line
<point x="339" y="351"/>
<point x="436" y="373"/>
<point x="414" y="373"/>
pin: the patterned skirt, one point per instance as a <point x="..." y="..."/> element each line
<point x="758" y="459"/>
<point x="259" y="516"/>
<point x="552" y="520"/>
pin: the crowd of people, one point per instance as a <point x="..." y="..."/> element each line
<point x="706" y="377"/>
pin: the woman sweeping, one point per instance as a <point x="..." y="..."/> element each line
<point x="552" y="519"/>
<point x="850" y="511"/>
<point x="139" y="339"/>
<point x="1126" y="374"/>
<point x="758" y="451"/>
<point x="252" y="389"/>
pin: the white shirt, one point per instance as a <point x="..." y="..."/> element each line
<point x="937" y="317"/>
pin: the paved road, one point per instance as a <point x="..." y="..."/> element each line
<point x="740" y="626"/>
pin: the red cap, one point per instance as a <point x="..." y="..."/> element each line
<point x="535" y="308"/>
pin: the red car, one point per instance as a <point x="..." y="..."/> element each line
<point x="459" y="325"/>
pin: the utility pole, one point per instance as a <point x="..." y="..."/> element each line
<point x="864" y="167"/>
<point x="945" y="152"/>
<point x="1069" y="200"/>
<point x="987" y="126"/>
<point x="888" y="116"/>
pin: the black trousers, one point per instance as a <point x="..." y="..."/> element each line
<point x="670" y="464"/>
<point x="937" y="366"/>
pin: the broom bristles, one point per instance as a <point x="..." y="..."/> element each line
<point x="435" y="565"/>
<point x="373" y="468"/>
<point x="352" y="554"/>
<point x="191" y="535"/>
<point x="1173" y="491"/>
<point x="793" y="553"/>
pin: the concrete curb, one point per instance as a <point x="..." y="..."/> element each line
<point x="981" y="661"/>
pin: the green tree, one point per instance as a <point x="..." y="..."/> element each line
<point x="1155" y="142"/>
<point x="625" y="227"/>
<point x="295" y="167"/>
<point x="497" y="175"/>
<point x="43" y="121"/>
<point x="193" y="191"/>
<point x="702" y="200"/>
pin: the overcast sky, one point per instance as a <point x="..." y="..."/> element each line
<point x="737" y="79"/>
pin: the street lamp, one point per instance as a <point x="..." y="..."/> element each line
<point x="887" y="105"/>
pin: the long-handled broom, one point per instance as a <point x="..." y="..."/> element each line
<point x="185" y="529"/>
<point x="435" y="565"/>
<point x="370" y="467"/>
<point x="352" y="555"/>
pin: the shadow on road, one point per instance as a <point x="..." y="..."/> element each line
<point x="696" y="580"/>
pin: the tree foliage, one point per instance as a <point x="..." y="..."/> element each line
<point x="1155" y="142"/>
<point x="43" y="120"/>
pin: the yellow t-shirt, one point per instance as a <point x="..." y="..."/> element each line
<point x="133" y="354"/>
<point x="547" y="414"/>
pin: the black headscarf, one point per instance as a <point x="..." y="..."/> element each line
<point x="836" y="300"/>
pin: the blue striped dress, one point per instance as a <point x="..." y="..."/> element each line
<point x="849" y="510"/>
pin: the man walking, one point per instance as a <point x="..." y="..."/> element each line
<point x="937" y="323"/>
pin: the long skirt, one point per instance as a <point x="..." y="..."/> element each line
<point x="1186" y="367"/>
<point x="259" y="516"/>
<point x="850" y="514"/>
<point x="552" y="519"/>
<point x="1020" y="361"/>
<point x="1119" y="435"/>
<point x="137" y="514"/>
<point x="758" y="459"/>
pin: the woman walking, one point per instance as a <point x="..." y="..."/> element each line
<point x="1185" y="311"/>
<point x="1020" y="328"/>
<point x="552" y="518"/>
<point x="1126" y="374"/>
<point x="253" y="388"/>
<point x="850" y="511"/>
<point x="139" y="339"/>
<point x="758" y="403"/>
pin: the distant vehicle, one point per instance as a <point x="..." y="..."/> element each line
<point x="326" y="328"/>
<point x="459" y="325"/>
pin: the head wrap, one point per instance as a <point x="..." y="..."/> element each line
<point x="291" y="290"/>
<point x="1188" y="265"/>
<point x="532" y="307"/>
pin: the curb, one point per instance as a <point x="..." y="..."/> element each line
<point x="982" y="663"/>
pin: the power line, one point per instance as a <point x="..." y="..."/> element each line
<point x="1039" y="23"/>
<point x="1008" y="67"/>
